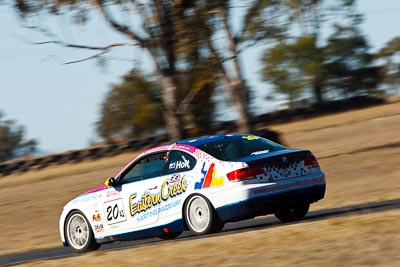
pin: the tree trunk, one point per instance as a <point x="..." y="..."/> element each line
<point x="238" y="98"/>
<point x="173" y="123"/>
<point x="236" y="89"/>
<point x="318" y="90"/>
<point x="167" y="72"/>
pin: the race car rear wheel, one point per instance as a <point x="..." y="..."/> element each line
<point x="79" y="234"/>
<point x="291" y="213"/>
<point x="200" y="215"/>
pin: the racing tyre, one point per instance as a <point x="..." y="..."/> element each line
<point x="200" y="216"/>
<point x="218" y="226"/>
<point x="79" y="234"/>
<point x="293" y="212"/>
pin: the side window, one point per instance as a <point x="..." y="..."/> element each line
<point x="179" y="161"/>
<point x="146" y="168"/>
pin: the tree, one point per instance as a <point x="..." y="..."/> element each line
<point x="198" y="83"/>
<point x="292" y="67"/>
<point x="218" y="16"/>
<point x="389" y="55"/>
<point x="348" y="64"/>
<point x="131" y="109"/>
<point x="12" y="140"/>
<point x="159" y="28"/>
<point x="226" y="45"/>
<point x="294" y="25"/>
<point x="304" y="61"/>
<point x="157" y="31"/>
<point x="196" y="78"/>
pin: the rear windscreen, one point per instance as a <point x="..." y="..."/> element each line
<point x="234" y="147"/>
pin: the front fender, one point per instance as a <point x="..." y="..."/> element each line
<point x="61" y="224"/>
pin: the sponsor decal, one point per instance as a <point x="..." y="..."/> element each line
<point x="85" y="198"/>
<point x="169" y="206"/>
<point x="169" y="189"/>
<point x="98" y="228"/>
<point x="96" y="217"/>
<point x="115" y="226"/>
<point x="175" y="178"/>
<point x="285" y="173"/>
<point x="180" y="164"/>
<point x="113" y="193"/>
<point x="161" y="209"/>
<point x="185" y="147"/>
<point x="114" y="211"/>
<point x="147" y="215"/>
<point x="185" y="164"/>
<point x="210" y="178"/>
<point x="260" y="152"/>
<point x="172" y="165"/>
<point x="280" y="187"/>
<point x="251" y="137"/>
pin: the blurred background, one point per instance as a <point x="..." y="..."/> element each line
<point x="82" y="80"/>
<point x="77" y="74"/>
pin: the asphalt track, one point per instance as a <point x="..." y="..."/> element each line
<point x="243" y="226"/>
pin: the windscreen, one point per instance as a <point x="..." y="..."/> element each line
<point x="235" y="147"/>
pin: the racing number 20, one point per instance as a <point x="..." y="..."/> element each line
<point x="115" y="211"/>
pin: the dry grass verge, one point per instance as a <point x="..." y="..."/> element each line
<point x="358" y="150"/>
<point x="362" y="240"/>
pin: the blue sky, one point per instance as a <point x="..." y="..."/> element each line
<point x="59" y="104"/>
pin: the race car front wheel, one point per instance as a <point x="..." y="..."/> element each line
<point x="79" y="234"/>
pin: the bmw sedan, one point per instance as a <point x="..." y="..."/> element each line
<point x="199" y="185"/>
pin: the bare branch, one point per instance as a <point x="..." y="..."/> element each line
<point x="121" y="28"/>
<point x="71" y="45"/>
<point x="183" y="106"/>
<point x="253" y="43"/>
<point x="85" y="59"/>
<point x="51" y="35"/>
<point x="87" y="47"/>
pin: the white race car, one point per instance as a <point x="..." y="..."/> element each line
<point x="197" y="184"/>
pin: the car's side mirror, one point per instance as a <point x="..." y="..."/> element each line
<point x="110" y="181"/>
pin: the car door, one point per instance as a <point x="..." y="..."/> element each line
<point x="176" y="184"/>
<point x="139" y="189"/>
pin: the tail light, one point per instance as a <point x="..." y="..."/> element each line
<point x="245" y="174"/>
<point x="311" y="161"/>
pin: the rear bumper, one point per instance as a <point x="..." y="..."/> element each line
<point x="267" y="204"/>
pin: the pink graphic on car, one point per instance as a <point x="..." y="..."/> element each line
<point x="97" y="189"/>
